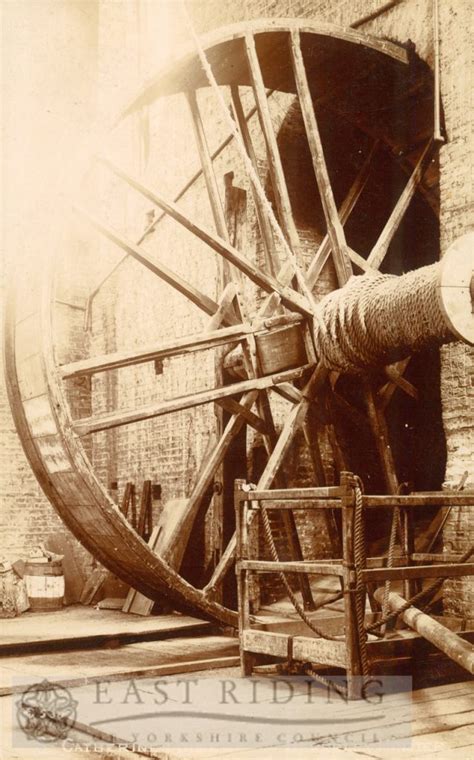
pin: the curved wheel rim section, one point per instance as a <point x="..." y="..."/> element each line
<point x="35" y="390"/>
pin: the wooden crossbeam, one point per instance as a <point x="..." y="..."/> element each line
<point x="385" y="393"/>
<point x="115" y="419"/>
<point x="289" y="297"/>
<point x="232" y="406"/>
<point x="397" y="379"/>
<point x="334" y="226"/>
<point x="379" y="251"/>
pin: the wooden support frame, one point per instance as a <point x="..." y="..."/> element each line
<point x="346" y="652"/>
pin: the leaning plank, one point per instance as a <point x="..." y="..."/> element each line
<point x="136" y="602"/>
<point x="290" y="297"/>
<point x="88" y="425"/>
<point x="460" y="651"/>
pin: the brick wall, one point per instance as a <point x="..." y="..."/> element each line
<point x="45" y="45"/>
<point x="457" y="217"/>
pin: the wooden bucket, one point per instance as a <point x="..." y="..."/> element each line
<point x="281" y="349"/>
<point x="45" y="585"/>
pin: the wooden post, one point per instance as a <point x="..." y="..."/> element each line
<point x="460" y="651"/>
<point x="243" y="595"/>
<point x="353" y="664"/>
<point x="410" y="585"/>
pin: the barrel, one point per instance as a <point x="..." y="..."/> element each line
<point x="281" y="349"/>
<point x="45" y="585"/>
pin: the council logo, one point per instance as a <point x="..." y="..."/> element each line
<point x="46" y="711"/>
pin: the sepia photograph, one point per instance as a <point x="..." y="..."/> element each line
<point x="237" y="384"/>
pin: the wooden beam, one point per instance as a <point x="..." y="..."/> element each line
<point x="459" y="650"/>
<point x="271" y="256"/>
<point x="422" y="499"/>
<point x="386" y="392"/>
<point x="115" y="419"/>
<point x="139" y="254"/>
<point x="207" y="166"/>
<point x="289" y="297"/>
<point x="380" y="432"/>
<point x="452" y="570"/>
<point x="379" y="251"/>
<point x="188" y="344"/>
<point x="398" y="380"/>
<point x="334" y="226"/>
<point x="307" y="567"/>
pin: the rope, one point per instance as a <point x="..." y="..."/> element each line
<point x="376" y="319"/>
<point x="255" y="179"/>
<point x="359" y="565"/>
<point x="293" y="598"/>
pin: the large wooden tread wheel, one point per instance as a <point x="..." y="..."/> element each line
<point x="371" y="84"/>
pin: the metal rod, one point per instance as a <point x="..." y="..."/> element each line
<point x="438" y="137"/>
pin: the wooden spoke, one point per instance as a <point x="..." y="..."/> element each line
<point x="379" y="251"/>
<point x="334" y="226"/>
<point x="116" y="419"/>
<point x="324" y="250"/>
<point x="397" y="379"/>
<point x="293" y="423"/>
<point x="209" y="177"/>
<point x="274" y="160"/>
<point x="380" y="432"/>
<point x="271" y="256"/>
<point x="289" y="297"/>
<point x="139" y="254"/>
<point x="188" y="344"/>
<point x="207" y="166"/>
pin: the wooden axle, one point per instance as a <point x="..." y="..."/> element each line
<point x="460" y="651"/>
